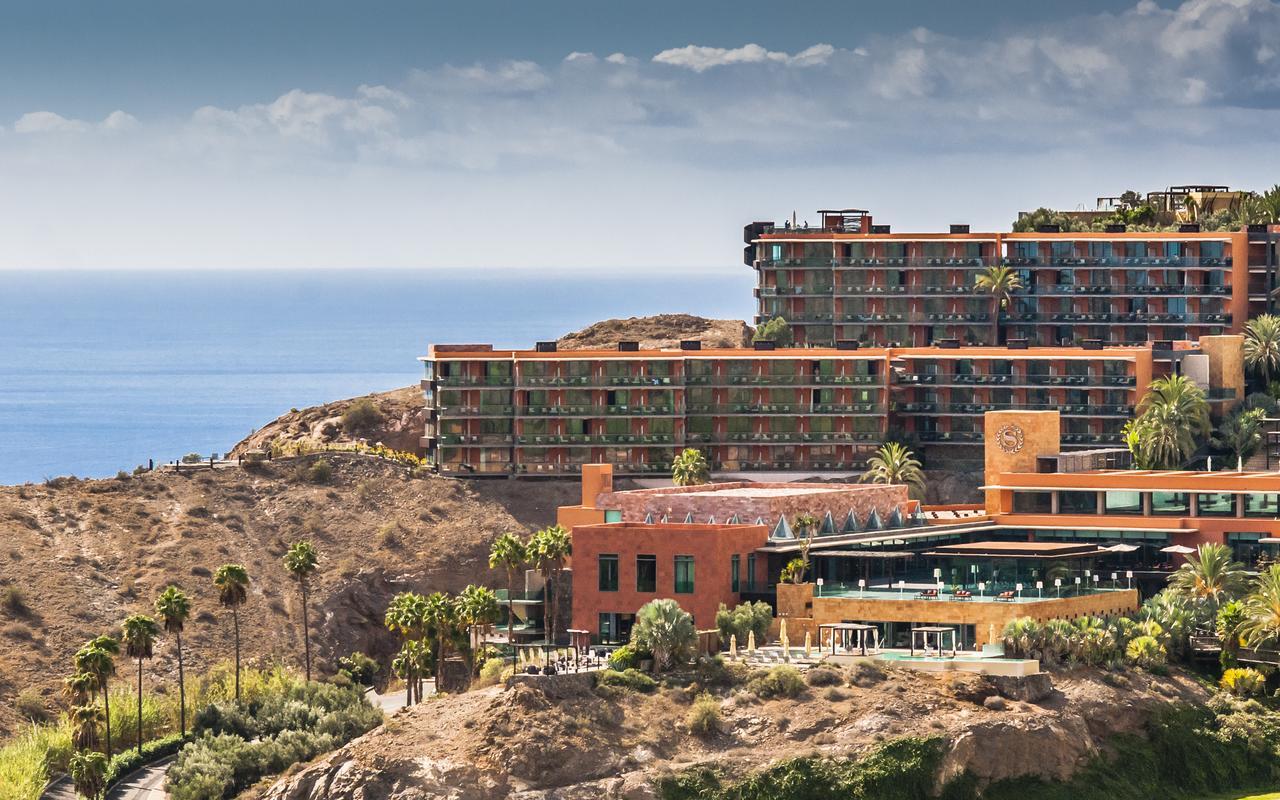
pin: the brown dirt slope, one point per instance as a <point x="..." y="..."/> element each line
<point x="663" y="330"/>
<point x="84" y="554"/>
<point x="519" y="742"/>
<point x="403" y="421"/>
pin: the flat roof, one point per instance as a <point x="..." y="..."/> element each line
<point x="437" y="352"/>
<point x="1103" y="480"/>
<point x="1018" y="550"/>
<point x="790" y="490"/>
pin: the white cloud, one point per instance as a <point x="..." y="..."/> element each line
<point x="701" y="59"/>
<point x="37" y="122"/>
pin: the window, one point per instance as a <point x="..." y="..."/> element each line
<point x="733" y="572"/>
<point x="684" y="575"/>
<point x="608" y="572"/>
<point x="1031" y="502"/>
<point x="1077" y="502"/>
<point x="607" y="627"/>
<point x="1126" y="503"/>
<point x="646" y="574"/>
<point x="1262" y="505"/>
<point x="1170" y="503"/>
<point x="751" y="572"/>
<point x="1218" y="504"/>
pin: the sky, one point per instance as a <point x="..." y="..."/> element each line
<point x="597" y="136"/>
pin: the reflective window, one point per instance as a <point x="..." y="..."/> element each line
<point x="1218" y="504"/>
<point x="1170" y="502"/>
<point x="1262" y="505"/>
<point x="1127" y="503"/>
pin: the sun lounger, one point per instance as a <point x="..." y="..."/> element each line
<point x="961" y="594"/>
<point x="1005" y="596"/>
<point x="928" y="594"/>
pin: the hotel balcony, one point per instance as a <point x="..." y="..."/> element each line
<point x="586" y="440"/>
<point x="474" y="380"/>
<point x="765" y="409"/>
<point x="957" y="379"/>
<point x="1067" y="409"/>
<point x="599" y="380"/>
<point x="781" y="380"/>
<point x="853" y="437"/>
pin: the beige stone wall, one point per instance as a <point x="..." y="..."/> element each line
<point x="1226" y="362"/>
<point x="987" y="616"/>
<point x="1013" y="439"/>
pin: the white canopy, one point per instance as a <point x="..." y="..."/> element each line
<point x="1121" y="548"/>
<point x="1181" y="549"/>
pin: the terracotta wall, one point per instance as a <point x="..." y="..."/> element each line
<point x="711" y="546"/>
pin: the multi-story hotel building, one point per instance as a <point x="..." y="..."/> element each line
<point x="849" y="279"/>
<point x="819" y="410"/>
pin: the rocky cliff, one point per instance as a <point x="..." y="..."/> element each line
<point x="606" y="743"/>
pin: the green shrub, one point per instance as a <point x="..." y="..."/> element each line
<point x="30" y="704"/>
<point x="30" y="757"/>
<point x="125" y="762"/>
<point x="319" y="472"/>
<point x="359" y="668"/>
<point x="742" y="620"/>
<point x="192" y="458"/>
<point x="666" y="630"/>
<point x="1146" y="652"/>
<point x="781" y="681"/>
<point x="630" y="679"/>
<point x="628" y="657"/>
<point x="775" y="330"/>
<point x="15" y="600"/>
<point x="492" y="671"/>
<point x="1243" y="682"/>
<point x="361" y="416"/>
<point x="703" y="717"/>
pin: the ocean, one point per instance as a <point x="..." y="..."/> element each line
<point x="101" y="371"/>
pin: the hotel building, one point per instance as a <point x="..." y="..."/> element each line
<point x="811" y="410"/>
<point x="846" y="279"/>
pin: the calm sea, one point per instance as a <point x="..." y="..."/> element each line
<point x="100" y="371"/>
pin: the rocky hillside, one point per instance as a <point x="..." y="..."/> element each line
<point x="79" y="556"/>
<point x="610" y="743"/>
<point x="664" y="330"/>
<point x="398" y="421"/>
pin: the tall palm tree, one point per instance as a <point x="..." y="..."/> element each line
<point x="509" y="553"/>
<point x="1000" y="283"/>
<point x="476" y="606"/>
<point x="139" y="632"/>
<point x="548" y="549"/>
<point x="98" y="658"/>
<point x="1261" y="627"/>
<point x="893" y="463"/>
<point x="441" y="618"/>
<point x="232" y="583"/>
<point x="88" y="774"/>
<point x="85" y="720"/>
<point x="1210" y="576"/>
<point x="174" y="607"/>
<point x="807" y="526"/>
<point x="301" y="562"/>
<point x="1262" y="345"/>
<point x="690" y="468"/>
<point x="407" y="616"/>
<point x="1173" y="418"/>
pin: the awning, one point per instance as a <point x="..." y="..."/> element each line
<point x="861" y="554"/>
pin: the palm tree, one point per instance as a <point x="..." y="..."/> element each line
<point x="1240" y="434"/>
<point x="174" y="607"/>
<point x="1173" y="416"/>
<point x="301" y="561"/>
<point x="139" y="632"/>
<point x="509" y="553"/>
<point x="441" y="618"/>
<point x="1262" y="345"/>
<point x="1261" y="626"/>
<point x="232" y="583"/>
<point x="1210" y="576"/>
<point x="807" y="525"/>
<point x="407" y="616"/>
<point x="690" y="468"/>
<point x="98" y="658"/>
<point x="1000" y="283"/>
<point x="548" y="548"/>
<point x="88" y="773"/>
<point x="85" y="720"/>
<point x="1269" y="204"/>
<point x="476" y="606"/>
<point x="893" y="463"/>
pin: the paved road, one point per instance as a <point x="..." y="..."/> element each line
<point x="147" y="784"/>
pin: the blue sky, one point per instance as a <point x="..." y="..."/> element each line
<point x="596" y="135"/>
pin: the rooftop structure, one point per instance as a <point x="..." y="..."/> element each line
<point x="835" y="282"/>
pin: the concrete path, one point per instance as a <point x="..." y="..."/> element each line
<point x="394" y="701"/>
<point x="145" y="784"/>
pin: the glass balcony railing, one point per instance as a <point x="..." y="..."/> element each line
<point x="600" y="380"/>
<point x="636" y="410"/>
<point x="947" y="378"/>
<point x="474" y="380"/>
<point x="781" y="380"/>
<point x="695" y="409"/>
<point x="790" y="437"/>
<point x="1067" y="409"/>
<point x="570" y="439"/>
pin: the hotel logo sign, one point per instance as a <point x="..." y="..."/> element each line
<point x="1010" y="438"/>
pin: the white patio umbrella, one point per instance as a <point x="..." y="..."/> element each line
<point x="1180" y="549"/>
<point x="1121" y="548"/>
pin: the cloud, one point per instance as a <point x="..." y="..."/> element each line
<point x="701" y="59"/>
<point x="37" y="122"/>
